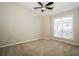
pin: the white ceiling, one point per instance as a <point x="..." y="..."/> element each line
<point x="58" y="7"/>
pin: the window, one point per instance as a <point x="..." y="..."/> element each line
<point x="63" y="27"/>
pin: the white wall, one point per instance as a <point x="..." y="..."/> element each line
<point x="18" y="24"/>
<point x="75" y="13"/>
<point x="46" y="27"/>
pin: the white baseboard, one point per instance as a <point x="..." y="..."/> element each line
<point x="73" y="43"/>
<point x="18" y="43"/>
<point x="76" y="44"/>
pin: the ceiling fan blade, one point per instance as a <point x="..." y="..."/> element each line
<point x="50" y="8"/>
<point x="37" y="7"/>
<point x="49" y="3"/>
<point x="40" y="4"/>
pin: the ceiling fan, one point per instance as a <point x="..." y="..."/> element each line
<point x="44" y="7"/>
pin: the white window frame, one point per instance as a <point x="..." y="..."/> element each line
<point x="72" y="27"/>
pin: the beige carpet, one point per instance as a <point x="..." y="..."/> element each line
<point x="41" y="48"/>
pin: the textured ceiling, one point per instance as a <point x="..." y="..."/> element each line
<point x="58" y="7"/>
